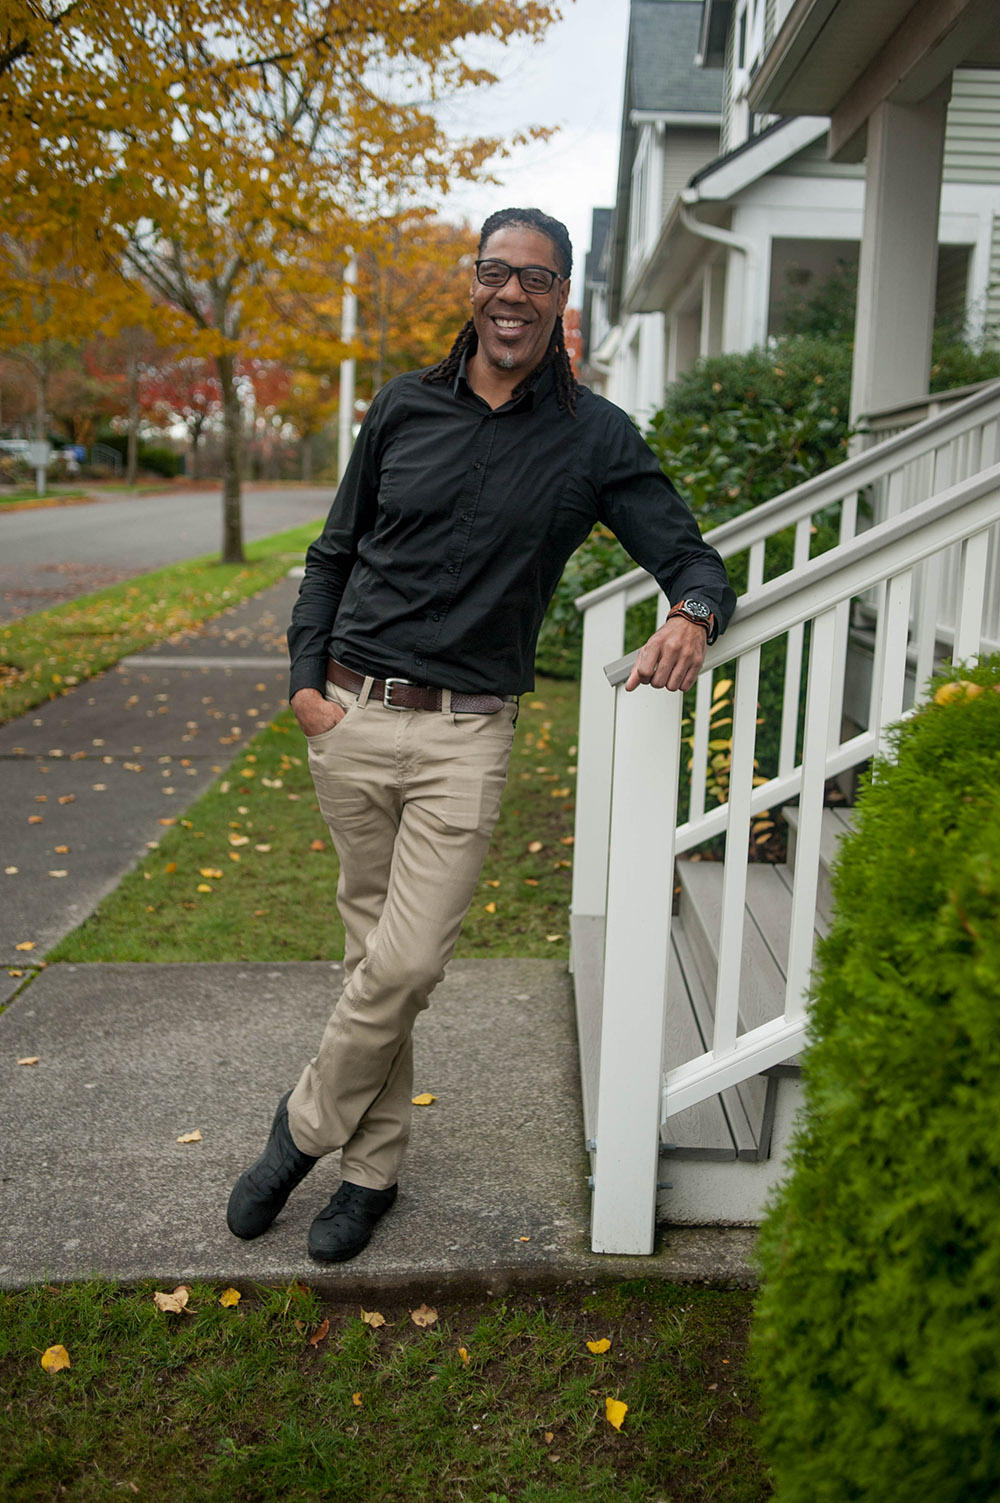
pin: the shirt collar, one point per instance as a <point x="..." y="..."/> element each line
<point x="541" y="383"/>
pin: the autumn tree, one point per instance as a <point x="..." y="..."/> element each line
<point x="225" y="156"/>
<point x="183" y="389"/>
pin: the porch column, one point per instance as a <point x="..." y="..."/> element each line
<point x="898" y="263"/>
<point x="713" y="296"/>
<point x="683" y="332"/>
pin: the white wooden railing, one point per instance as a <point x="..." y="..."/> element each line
<point x="628" y="829"/>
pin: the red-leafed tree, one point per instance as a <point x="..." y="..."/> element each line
<point x="183" y="390"/>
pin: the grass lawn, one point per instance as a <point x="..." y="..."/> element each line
<point x="250" y="874"/>
<point x="283" y="1396"/>
<point x="44" y="654"/>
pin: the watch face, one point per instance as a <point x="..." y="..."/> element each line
<point x="696" y="609"/>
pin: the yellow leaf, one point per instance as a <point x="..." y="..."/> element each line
<point x="372" y="1318"/>
<point x="204" y="887"/>
<point x="722" y="687"/>
<point x="524" y="1239"/>
<point x="26" y="944"/>
<point x="55" y="1358"/>
<point x="209" y="871"/>
<point x="239" y="840"/>
<point x="535" y="847"/>
<point x="552" y="938"/>
<point x="35" y="819"/>
<point x="190" y="1137"/>
<point x="597" y="1347"/>
<point x="173" y="1304"/>
<point x="568" y="840"/>
<point x="549" y="1437"/>
<point x="489" y="908"/>
<point x="464" y="1355"/>
<point x="615" y="1412"/>
<point x="30" y="1059"/>
<point x="492" y="882"/>
<point x="356" y="1400"/>
<point x="424" y="1099"/>
<point x="424" y="1316"/>
<point x="229" y="1298"/>
<point x="170" y="868"/>
<point x="317" y="845"/>
<point x="170" y="821"/>
<point x="262" y="848"/>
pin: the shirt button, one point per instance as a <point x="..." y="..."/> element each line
<point x="478" y="465"/>
<point x="452" y="568"/>
<point x="436" y="616"/>
<point x="466" y="516"/>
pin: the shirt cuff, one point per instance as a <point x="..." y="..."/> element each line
<point x="307" y="673"/>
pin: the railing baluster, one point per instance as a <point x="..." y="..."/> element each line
<point x="793" y="664"/>
<point x="699" y="750"/>
<point x="894" y="631"/>
<point x="637" y="947"/>
<point x="972" y="592"/>
<point x="925" y="634"/>
<point x="734" y="884"/>
<point x="807" y="844"/>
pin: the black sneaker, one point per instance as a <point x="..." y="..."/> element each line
<point x="261" y="1191"/>
<point x="345" y="1227"/>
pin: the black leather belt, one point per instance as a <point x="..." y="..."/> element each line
<point x="401" y="694"/>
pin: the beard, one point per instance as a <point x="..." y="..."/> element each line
<point x="507" y="361"/>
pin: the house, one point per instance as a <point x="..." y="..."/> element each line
<point x="707" y="263"/>
<point x="691" y="961"/>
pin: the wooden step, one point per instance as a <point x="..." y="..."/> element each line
<point x="837" y="823"/>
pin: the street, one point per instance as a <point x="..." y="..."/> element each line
<point x="55" y="553"/>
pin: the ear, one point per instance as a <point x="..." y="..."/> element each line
<point x="563" y="298"/>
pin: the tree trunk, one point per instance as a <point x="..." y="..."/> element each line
<point x="232" y="427"/>
<point x="132" y="338"/>
<point x="306" y="449"/>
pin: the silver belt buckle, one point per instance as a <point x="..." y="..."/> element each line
<point x="387" y="692"/>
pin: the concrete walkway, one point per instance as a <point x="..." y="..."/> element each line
<point x="132" y="1057"/>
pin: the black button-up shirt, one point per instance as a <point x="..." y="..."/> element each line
<point x="453" y="523"/>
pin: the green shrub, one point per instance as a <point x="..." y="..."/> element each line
<point x="790" y="372"/>
<point x="876" y="1337"/>
<point x="155" y="459"/>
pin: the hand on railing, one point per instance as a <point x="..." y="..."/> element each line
<point x="672" y="657"/>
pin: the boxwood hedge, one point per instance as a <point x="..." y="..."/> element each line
<point x="877" y="1333"/>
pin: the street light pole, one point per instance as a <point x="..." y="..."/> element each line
<point x="348" y="328"/>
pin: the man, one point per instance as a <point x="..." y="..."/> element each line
<point x="469" y="487"/>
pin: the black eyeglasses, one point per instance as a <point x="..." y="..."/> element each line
<point x="532" y="278"/>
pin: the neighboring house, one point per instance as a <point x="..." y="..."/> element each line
<point x="847" y="126"/>
<point x="709" y="267"/>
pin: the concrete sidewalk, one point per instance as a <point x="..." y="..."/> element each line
<point x="131" y="1057"/>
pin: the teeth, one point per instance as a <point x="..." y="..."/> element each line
<point x="509" y="323"/>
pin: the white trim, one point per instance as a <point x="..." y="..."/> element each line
<point x="675" y="117"/>
<point x="743" y="167"/>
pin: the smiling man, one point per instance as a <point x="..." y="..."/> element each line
<point x="414" y="632"/>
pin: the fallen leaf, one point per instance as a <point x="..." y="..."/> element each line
<point x="30" y="1059"/>
<point x="15" y="974"/>
<point x="372" y="1318"/>
<point x="321" y="1332"/>
<point x="356" y="1400"/>
<point x="61" y="850"/>
<point x="55" y="1358"/>
<point x="170" y="821"/>
<point x="424" y="1316"/>
<point x="535" y="847"/>
<point x="230" y="1297"/>
<point x="41" y="798"/>
<point x="464" y="1355"/>
<point x="209" y="871"/>
<point x="173" y="1304"/>
<point x="524" y="1239"/>
<point x="551" y="938"/>
<point x="203" y="887"/>
<point x="262" y="848"/>
<point x="549" y="1437"/>
<point x="597" y="1347"/>
<point x="489" y="908"/>
<point x="10" y="871"/>
<point x="424" y="1099"/>
<point x="67" y="798"/>
<point x="615" y="1412"/>
<point x="59" y="874"/>
<point x="26" y="944"/>
<point x="531" y="881"/>
<point x="35" y="819"/>
<point x="190" y="1137"/>
<point x="568" y="840"/>
<point x="317" y="845"/>
<point x="170" y="868"/>
<point x="239" y="840"/>
<point x="492" y="882"/>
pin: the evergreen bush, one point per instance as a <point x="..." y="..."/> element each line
<point x="876" y="1338"/>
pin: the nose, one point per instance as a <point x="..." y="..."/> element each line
<point x="512" y="291"/>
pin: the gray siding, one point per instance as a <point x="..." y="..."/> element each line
<point x="685" y="153"/>
<point x="972" y="138"/>
<point x="993" y="295"/>
<point x="726" y="141"/>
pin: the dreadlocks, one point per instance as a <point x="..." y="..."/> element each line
<point x="557" y="354"/>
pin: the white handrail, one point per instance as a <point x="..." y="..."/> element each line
<point x="821" y="491"/>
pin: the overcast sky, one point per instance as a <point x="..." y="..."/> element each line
<point x="573" y="79"/>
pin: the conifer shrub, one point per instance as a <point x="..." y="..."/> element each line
<point x="876" y="1340"/>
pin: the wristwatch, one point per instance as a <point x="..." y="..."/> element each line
<point x="697" y="611"/>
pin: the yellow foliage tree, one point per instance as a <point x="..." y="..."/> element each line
<point x="224" y="156"/>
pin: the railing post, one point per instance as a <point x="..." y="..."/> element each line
<point x="603" y="642"/>
<point x="637" y="948"/>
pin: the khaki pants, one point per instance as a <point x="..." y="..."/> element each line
<point x="411" y="798"/>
